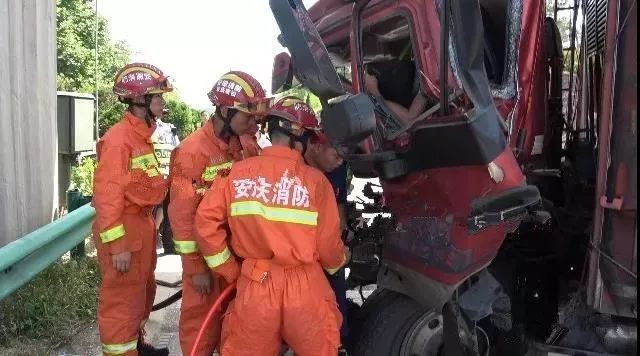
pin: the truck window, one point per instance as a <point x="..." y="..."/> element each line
<point x="392" y="71"/>
<point x="502" y="22"/>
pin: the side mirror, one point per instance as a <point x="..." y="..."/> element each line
<point x="282" y="74"/>
<point x="349" y="119"/>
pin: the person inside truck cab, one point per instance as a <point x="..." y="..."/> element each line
<point x="405" y="114"/>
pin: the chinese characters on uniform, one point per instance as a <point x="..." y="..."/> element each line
<point x="288" y="191"/>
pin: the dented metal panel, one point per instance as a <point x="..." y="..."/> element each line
<point x="612" y="282"/>
<point x="28" y="188"/>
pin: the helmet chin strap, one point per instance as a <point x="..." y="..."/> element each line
<point x="147" y="105"/>
<point x="148" y="115"/>
<point x="303" y="139"/>
<point x="227" y="130"/>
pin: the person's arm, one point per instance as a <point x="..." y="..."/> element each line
<point x="407" y="115"/>
<point x="211" y="231"/>
<point x="332" y="252"/>
<point x="403" y="114"/>
<point x="182" y="211"/>
<point x="108" y="196"/>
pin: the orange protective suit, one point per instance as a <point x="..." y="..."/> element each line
<point x="127" y="185"/>
<point x="284" y="224"/>
<point x="195" y="164"/>
<point x="250" y="147"/>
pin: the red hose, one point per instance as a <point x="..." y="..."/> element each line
<point x="214" y="308"/>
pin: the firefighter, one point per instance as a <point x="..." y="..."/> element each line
<point x="322" y="155"/>
<point x="195" y="164"/>
<point x="284" y="225"/>
<point x="127" y="186"/>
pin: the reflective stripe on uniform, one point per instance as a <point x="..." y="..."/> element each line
<point x="152" y="172"/>
<point x="186" y="246"/>
<point x="211" y="172"/>
<point x="296" y="216"/>
<point x="218" y="259"/>
<point x="112" y="234"/>
<point x="119" y="349"/>
<point x="147" y="163"/>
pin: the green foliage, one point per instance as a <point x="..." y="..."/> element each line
<point x="563" y="22"/>
<point x="185" y="118"/>
<point x="77" y="71"/>
<point x="53" y="305"/>
<point x="304" y="94"/>
<point x="76" y="57"/>
<point x="111" y="110"/>
<point x="82" y="176"/>
<point x="76" y="42"/>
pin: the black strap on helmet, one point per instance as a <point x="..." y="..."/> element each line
<point x="148" y="118"/>
<point x="274" y="124"/>
<point x="227" y="131"/>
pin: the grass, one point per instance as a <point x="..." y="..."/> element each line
<point x="51" y="308"/>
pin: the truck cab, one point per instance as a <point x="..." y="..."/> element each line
<point x="461" y="173"/>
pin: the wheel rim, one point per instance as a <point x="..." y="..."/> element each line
<point x="424" y="337"/>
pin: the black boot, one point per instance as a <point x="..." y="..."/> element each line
<point x="145" y="349"/>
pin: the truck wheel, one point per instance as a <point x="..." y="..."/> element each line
<point x="393" y="324"/>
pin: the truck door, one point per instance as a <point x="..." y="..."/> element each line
<point x="451" y="180"/>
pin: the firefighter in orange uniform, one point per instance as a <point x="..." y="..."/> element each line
<point x="127" y="185"/>
<point x="195" y="164"/>
<point x="284" y="225"/>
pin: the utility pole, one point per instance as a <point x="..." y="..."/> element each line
<point x="95" y="74"/>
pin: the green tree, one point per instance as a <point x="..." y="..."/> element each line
<point x="304" y="94"/>
<point x="76" y="41"/>
<point x="563" y="22"/>
<point x="82" y="176"/>
<point x="185" y="118"/>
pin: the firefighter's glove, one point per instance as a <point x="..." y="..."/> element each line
<point x="121" y="261"/>
<point x="201" y="283"/>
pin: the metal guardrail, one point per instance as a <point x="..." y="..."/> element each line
<point x="23" y="259"/>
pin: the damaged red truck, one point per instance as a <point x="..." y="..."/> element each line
<point x="512" y="226"/>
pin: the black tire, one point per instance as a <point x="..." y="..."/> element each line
<point x="385" y="320"/>
<point x="386" y="323"/>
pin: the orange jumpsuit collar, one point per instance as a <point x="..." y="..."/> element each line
<point x="139" y="126"/>
<point x="283" y="152"/>
<point x="210" y="132"/>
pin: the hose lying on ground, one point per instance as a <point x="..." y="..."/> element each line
<point x="168" y="284"/>
<point x="165" y="303"/>
<point x="214" y="308"/>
